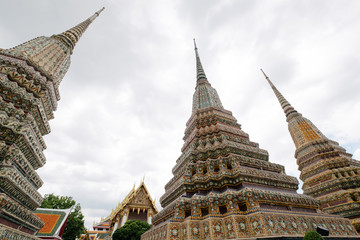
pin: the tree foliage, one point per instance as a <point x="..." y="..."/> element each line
<point x="132" y="230"/>
<point x="75" y="223"/>
<point x="312" y="235"/>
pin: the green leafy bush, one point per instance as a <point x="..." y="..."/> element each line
<point x="132" y="230"/>
<point x="312" y="235"/>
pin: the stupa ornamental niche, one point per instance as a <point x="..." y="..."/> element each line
<point x="224" y="186"/>
<point x="329" y="173"/>
<point x="30" y="75"/>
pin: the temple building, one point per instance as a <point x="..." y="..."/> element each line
<point x="329" y="173"/>
<point x="224" y="186"/>
<point x="137" y="205"/>
<point x="30" y="75"/>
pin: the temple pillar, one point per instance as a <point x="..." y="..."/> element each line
<point x="149" y="216"/>
<point x="116" y="224"/>
<point x="125" y="217"/>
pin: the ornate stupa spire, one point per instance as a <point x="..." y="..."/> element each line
<point x="205" y="96"/>
<point x="51" y="55"/>
<point x="200" y="73"/>
<point x="302" y="130"/>
<point x="30" y="74"/>
<point x="329" y="173"/>
<point x="286" y="106"/>
<point x="72" y="36"/>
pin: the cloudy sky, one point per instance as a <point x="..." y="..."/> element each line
<point x="128" y="93"/>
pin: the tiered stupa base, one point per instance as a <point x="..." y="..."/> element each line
<point x="8" y="233"/>
<point x="250" y="214"/>
<point x="258" y="224"/>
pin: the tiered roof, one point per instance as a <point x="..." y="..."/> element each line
<point x="54" y="222"/>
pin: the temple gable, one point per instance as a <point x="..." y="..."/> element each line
<point x="137" y="205"/>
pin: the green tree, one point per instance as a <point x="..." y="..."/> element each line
<point x="132" y="230"/>
<point x="75" y="223"/>
<point x="312" y="235"/>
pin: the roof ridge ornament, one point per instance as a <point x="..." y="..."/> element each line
<point x="142" y="180"/>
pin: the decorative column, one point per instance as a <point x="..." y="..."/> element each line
<point x="125" y="217"/>
<point x="149" y="216"/>
<point x="117" y="219"/>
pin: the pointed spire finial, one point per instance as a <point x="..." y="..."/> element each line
<point x="267" y="78"/>
<point x="98" y="12"/>
<point x="205" y="96"/>
<point x="143" y="179"/>
<point x="286" y="106"/>
<point x="72" y="36"/>
<point x="200" y="74"/>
